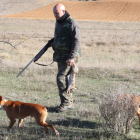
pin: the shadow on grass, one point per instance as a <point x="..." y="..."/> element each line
<point x="68" y="129"/>
<point x="72" y="122"/>
<point x="51" y="109"/>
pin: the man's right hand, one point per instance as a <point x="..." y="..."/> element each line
<point x="70" y="62"/>
<point x="50" y="44"/>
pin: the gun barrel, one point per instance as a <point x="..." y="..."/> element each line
<point x="38" y="55"/>
<point x="25" y="67"/>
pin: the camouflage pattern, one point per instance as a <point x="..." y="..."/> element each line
<point x="62" y="83"/>
<point x="66" y="45"/>
<point x="71" y="81"/>
<point x="62" y="44"/>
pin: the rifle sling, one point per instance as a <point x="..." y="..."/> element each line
<point x="44" y="64"/>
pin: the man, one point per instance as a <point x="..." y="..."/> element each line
<point x="66" y="46"/>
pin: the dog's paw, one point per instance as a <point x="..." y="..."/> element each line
<point x="57" y="133"/>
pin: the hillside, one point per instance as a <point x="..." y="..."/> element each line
<point x="103" y="10"/>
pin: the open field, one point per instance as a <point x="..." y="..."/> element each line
<point x="103" y="10"/>
<point x="14" y="6"/>
<point x="110" y="63"/>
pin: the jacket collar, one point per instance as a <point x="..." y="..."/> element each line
<point x="64" y="17"/>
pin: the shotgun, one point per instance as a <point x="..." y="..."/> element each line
<point x="42" y="51"/>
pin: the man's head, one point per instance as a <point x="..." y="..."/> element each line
<point x="59" y="11"/>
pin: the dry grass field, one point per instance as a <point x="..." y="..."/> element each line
<point x="110" y="64"/>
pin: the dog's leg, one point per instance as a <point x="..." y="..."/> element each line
<point x="138" y="118"/>
<point x="138" y="114"/>
<point x="12" y="121"/>
<point x="45" y="125"/>
<point x="41" y="122"/>
<point x="51" y="126"/>
<point x="128" y="125"/>
<point x="20" y="123"/>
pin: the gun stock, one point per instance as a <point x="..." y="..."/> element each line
<point x="43" y="50"/>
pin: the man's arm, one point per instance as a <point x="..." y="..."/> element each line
<point x="76" y="40"/>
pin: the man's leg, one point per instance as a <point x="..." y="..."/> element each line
<point x="62" y="83"/>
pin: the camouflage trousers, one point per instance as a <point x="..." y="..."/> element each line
<point x="62" y="82"/>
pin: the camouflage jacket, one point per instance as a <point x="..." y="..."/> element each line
<point x="66" y="44"/>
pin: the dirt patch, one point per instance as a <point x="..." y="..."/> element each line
<point x="104" y="10"/>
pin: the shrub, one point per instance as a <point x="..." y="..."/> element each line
<point x="118" y="111"/>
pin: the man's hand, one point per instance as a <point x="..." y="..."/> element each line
<point x="50" y="44"/>
<point x="70" y="62"/>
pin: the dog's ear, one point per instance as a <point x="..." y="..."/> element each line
<point x="0" y="98"/>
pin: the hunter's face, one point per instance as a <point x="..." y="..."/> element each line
<point x="58" y="13"/>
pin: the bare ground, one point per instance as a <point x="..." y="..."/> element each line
<point x="103" y="10"/>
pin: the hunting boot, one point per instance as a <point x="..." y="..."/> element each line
<point x="66" y="103"/>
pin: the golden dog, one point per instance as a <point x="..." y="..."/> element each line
<point x="20" y="110"/>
